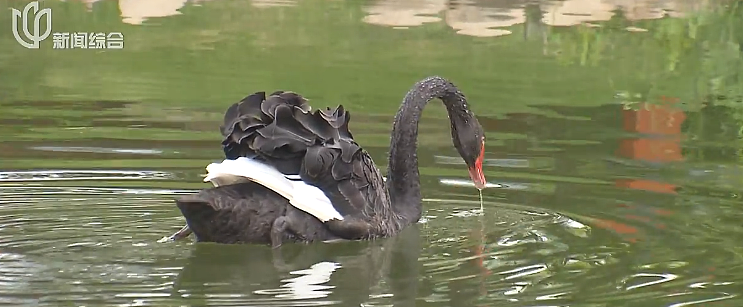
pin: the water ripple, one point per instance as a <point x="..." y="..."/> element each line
<point x="91" y="149"/>
<point x="65" y="175"/>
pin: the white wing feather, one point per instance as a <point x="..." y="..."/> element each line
<point x="303" y="196"/>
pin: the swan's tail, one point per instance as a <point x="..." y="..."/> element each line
<point x="232" y="213"/>
<point x="305" y="197"/>
<point x="200" y="214"/>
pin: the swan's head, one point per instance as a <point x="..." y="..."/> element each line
<point x="469" y="139"/>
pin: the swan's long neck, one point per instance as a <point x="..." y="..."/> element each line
<point x="403" y="178"/>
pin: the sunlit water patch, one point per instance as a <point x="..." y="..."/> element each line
<point x="80" y="149"/>
<point x="63" y="175"/>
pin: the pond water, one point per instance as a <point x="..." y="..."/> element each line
<point x="614" y="131"/>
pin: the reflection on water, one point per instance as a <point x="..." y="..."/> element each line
<point x="466" y="183"/>
<point x="613" y="158"/>
<point x="136" y="11"/>
<point x="487" y="18"/>
<point x="481" y="18"/>
<point x="310" y="283"/>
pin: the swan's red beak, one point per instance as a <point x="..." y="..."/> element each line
<point x="478" y="177"/>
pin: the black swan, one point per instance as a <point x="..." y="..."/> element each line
<point x="292" y="175"/>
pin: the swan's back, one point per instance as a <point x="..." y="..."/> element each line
<point x="281" y="130"/>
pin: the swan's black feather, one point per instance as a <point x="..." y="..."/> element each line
<point x="314" y="123"/>
<point x="285" y="126"/>
<point x="263" y="127"/>
<point x="355" y="188"/>
<point x="279" y="130"/>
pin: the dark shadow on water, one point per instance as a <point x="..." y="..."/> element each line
<point x="344" y="274"/>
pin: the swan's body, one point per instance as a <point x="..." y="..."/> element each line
<point x="296" y="175"/>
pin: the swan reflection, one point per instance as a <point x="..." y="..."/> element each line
<point x="310" y="282"/>
<point x="347" y="274"/>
